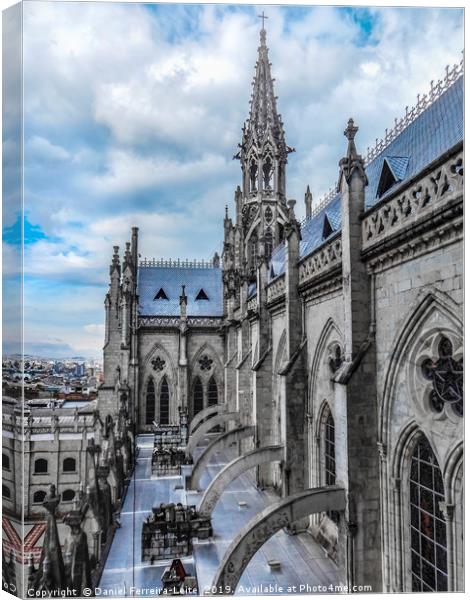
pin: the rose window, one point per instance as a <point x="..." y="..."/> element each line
<point x="446" y="375"/>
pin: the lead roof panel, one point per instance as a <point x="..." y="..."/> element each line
<point x="170" y="279"/>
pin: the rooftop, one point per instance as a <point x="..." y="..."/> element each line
<point x="426" y="132"/>
<point x="159" y="285"/>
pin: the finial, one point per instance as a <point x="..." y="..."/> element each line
<point x="263" y="17"/>
<point x="226" y="211"/>
<point x="351" y="130"/>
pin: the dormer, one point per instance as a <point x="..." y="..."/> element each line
<point x="393" y="171"/>
<point x="201" y="295"/>
<point x="161" y="295"/>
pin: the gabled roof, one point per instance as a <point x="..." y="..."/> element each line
<point x="398" y="165"/>
<point x="435" y="131"/>
<point x="151" y="279"/>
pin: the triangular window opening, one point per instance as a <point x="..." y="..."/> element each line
<point x="327" y="228"/>
<point x="202" y="295"/>
<point x="161" y="295"/>
<point x="387" y="180"/>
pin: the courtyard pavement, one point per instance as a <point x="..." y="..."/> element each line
<point x="303" y="561"/>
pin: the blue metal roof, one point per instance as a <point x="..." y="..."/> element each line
<point x="398" y="165"/>
<point x="429" y="136"/>
<point x="170" y="279"/>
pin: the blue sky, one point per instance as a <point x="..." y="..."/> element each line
<point x="133" y="113"/>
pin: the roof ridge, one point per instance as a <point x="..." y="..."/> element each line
<point x="177" y="262"/>
<point x="422" y="103"/>
<point x="321" y="204"/>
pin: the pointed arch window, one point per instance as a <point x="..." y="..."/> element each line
<point x="212" y="392"/>
<point x="427" y="523"/>
<point x="330" y="455"/>
<point x="198" y="396"/>
<point x="164" y="403"/>
<point x="254" y="251"/>
<point x="150" y="403"/>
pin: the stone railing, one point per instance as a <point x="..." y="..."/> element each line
<point x="419" y="199"/>
<point x="205" y="321"/>
<point x="320" y="204"/>
<point x="159" y="321"/>
<point x="177" y="262"/>
<point x="277" y="288"/>
<point x="422" y="102"/>
<point x="252" y="303"/>
<point x="175" y="321"/>
<point x="38" y="425"/>
<point x="322" y="260"/>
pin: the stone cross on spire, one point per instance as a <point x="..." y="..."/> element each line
<point x="263" y="17"/>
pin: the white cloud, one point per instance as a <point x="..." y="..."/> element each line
<point x="41" y="149"/>
<point x="95" y="328"/>
<point x="127" y="172"/>
<point x="132" y="116"/>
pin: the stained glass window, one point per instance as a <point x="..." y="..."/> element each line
<point x="150" y="403"/>
<point x="198" y="396"/>
<point x="330" y="461"/>
<point x="427" y="524"/>
<point x="212" y="393"/>
<point x="446" y="375"/>
<point x="164" y="403"/>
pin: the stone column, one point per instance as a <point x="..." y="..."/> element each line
<point x="357" y="376"/>
<point x="182" y="402"/>
<point x="293" y="376"/>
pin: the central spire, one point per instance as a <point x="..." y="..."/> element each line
<point x="263" y="150"/>
<point x="264" y="121"/>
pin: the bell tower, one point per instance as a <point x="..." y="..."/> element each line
<point x="261" y="208"/>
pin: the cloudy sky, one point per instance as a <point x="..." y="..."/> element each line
<point x="133" y="113"/>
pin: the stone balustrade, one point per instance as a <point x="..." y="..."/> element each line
<point x="276" y="289"/>
<point x="325" y="258"/>
<point x="404" y="209"/>
<point x="252" y="303"/>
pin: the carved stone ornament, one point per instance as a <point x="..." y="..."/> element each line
<point x="268" y="215"/>
<point x="446" y="375"/>
<point x="158" y="364"/>
<point x="205" y="363"/>
<point x="335" y="360"/>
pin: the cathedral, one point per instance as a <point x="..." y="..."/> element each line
<point x="327" y="349"/>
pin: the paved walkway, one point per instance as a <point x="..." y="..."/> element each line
<point x="303" y="562"/>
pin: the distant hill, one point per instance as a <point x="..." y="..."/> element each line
<point x="43" y="350"/>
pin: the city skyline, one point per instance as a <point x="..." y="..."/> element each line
<point x="147" y="139"/>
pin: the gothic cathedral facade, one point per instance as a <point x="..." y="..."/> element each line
<point x="338" y="338"/>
